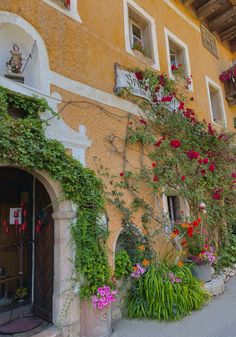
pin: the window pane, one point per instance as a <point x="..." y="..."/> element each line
<point x="137" y="32"/>
<point x="216" y="105"/>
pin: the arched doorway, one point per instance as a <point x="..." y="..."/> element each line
<point x="24" y="195"/>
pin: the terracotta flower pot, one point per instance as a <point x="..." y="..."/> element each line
<point x="94" y="322"/>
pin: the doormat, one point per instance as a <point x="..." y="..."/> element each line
<point x="19" y="325"/>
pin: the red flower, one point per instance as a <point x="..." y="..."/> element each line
<point x="142" y="121"/>
<point x="175" y="143"/>
<point x="203" y="172"/>
<point x="155" y="178"/>
<point x="173" y="67"/>
<point x="154" y="164"/>
<point x="190" y="231"/>
<point x="211" y="131"/>
<point x="212" y="167"/>
<point x="199" y="220"/>
<point x="216" y="195"/>
<point x="181" y="106"/>
<point x="183" y="178"/>
<point x="175" y="231"/>
<point x="195" y="223"/>
<point x="193" y="154"/>
<point x="200" y="161"/>
<point x="167" y="98"/>
<point x="233" y="175"/>
<point x="205" y="161"/>
<point x="139" y="75"/>
<point x="122" y="174"/>
<point x="157" y="88"/>
<point x="158" y="143"/>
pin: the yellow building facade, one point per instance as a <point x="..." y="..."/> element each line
<point x="74" y="49"/>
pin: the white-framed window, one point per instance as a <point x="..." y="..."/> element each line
<point x="177" y="54"/>
<point x="140" y="34"/>
<point x="216" y="103"/>
<point x="174" y="208"/>
<point x="67" y="7"/>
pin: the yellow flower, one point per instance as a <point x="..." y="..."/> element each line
<point x="145" y="262"/>
<point x="173" y="235"/>
<point x="141" y="247"/>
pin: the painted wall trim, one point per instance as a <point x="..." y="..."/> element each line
<point x="173" y="37"/>
<point x="89" y="92"/>
<point x="209" y="81"/>
<point x="72" y="12"/>
<point x="182" y="15"/>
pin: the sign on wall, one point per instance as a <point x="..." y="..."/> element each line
<point x="127" y="80"/>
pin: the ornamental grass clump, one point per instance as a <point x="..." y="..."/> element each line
<point x="164" y="293"/>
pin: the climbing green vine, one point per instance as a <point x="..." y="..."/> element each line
<point x="23" y="142"/>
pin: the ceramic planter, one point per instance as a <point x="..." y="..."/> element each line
<point x="94" y="322"/>
<point x="203" y="272"/>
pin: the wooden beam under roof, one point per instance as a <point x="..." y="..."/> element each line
<point x="210" y="7"/>
<point x="222" y="19"/>
<point x="229" y="33"/>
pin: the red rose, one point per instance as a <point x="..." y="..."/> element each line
<point x="167" y="99"/>
<point x="199" y="220"/>
<point x="181" y="106"/>
<point x="211" y="131"/>
<point x="154" y="164"/>
<point x="233" y="175"/>
<point x="175" y="231"/>
<point x="139" y="75"/>
<point x="200" y="161"/>
<point x="175" y="143"/>
<point x="155" y="178"/>
<point x="158" y="143"/>
<point x="195" y="223"/>
<point x="216" y="195"/>
<point x="183" y="178"/>
<point x="203" y="171"/>
<point x="190" y="231"/>
<point x="173" y="67"/>
<point x="212" y="167"/>
<point x="205" y="161"/>
<point x="193" y="154"/>
<point x="122" y="174"/>
<point x="142" y="121"/>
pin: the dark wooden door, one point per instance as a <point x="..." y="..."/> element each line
<point x="43" y="262"/>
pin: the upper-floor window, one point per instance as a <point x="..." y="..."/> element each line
<point x="209" y="41"/>
<point x="140" y="34"/>
<point x="216" y="103"/>
<point x="68" y="7"/>
<point x="177" y="57"/>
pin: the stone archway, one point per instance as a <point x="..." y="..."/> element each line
<point x="63" y="214"/>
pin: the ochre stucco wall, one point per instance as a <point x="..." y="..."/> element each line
<point x="87" y="51"/>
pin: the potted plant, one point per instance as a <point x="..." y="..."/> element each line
<point x="194" y="240"/>
<point x="228" y="77"/>
<point x="96" y="314"/>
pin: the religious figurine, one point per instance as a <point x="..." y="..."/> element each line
<point x="14" y="65"/>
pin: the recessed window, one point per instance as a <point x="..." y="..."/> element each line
<point x="177" y="57"/>
<point x="68" y="7"/>
<point x="173" y="209"/>
<point x="140" y="34"/>
<point x="216" y="103"/>
<point x="209" y="41"/>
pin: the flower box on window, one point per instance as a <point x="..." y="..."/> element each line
<point x="228" y="77"/>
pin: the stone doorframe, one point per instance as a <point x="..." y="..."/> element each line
<point x="64" y="213"/>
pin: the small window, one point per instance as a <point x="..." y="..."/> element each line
<point x="177" y="56"/>
<point x="140" y="34"/>
<point x="173" y="209"/>
<point x="139" y="30"/>
<point x="65" y="4"/>
<point x="216" y="105"/>
<point x="209" y="41"/>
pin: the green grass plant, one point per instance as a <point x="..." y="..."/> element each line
<point x="154" y="296"/>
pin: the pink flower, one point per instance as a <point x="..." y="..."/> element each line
<point x="205" y="161"/>
<point x="216" y="195"/>
<point x="203" y="172"/>
<point x="233" y="175"/>
<point x="175" y="143"/>
<point x="167" y="99"/>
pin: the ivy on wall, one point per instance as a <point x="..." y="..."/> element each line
<point x="23" y="142"/>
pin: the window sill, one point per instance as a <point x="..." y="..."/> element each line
<point x="72" y="14"/>
<point x="141" y="57"/>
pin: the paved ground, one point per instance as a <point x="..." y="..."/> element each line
<point x="216" y="319"/>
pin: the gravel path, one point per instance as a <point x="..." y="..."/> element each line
<point x="216" y="319"/>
